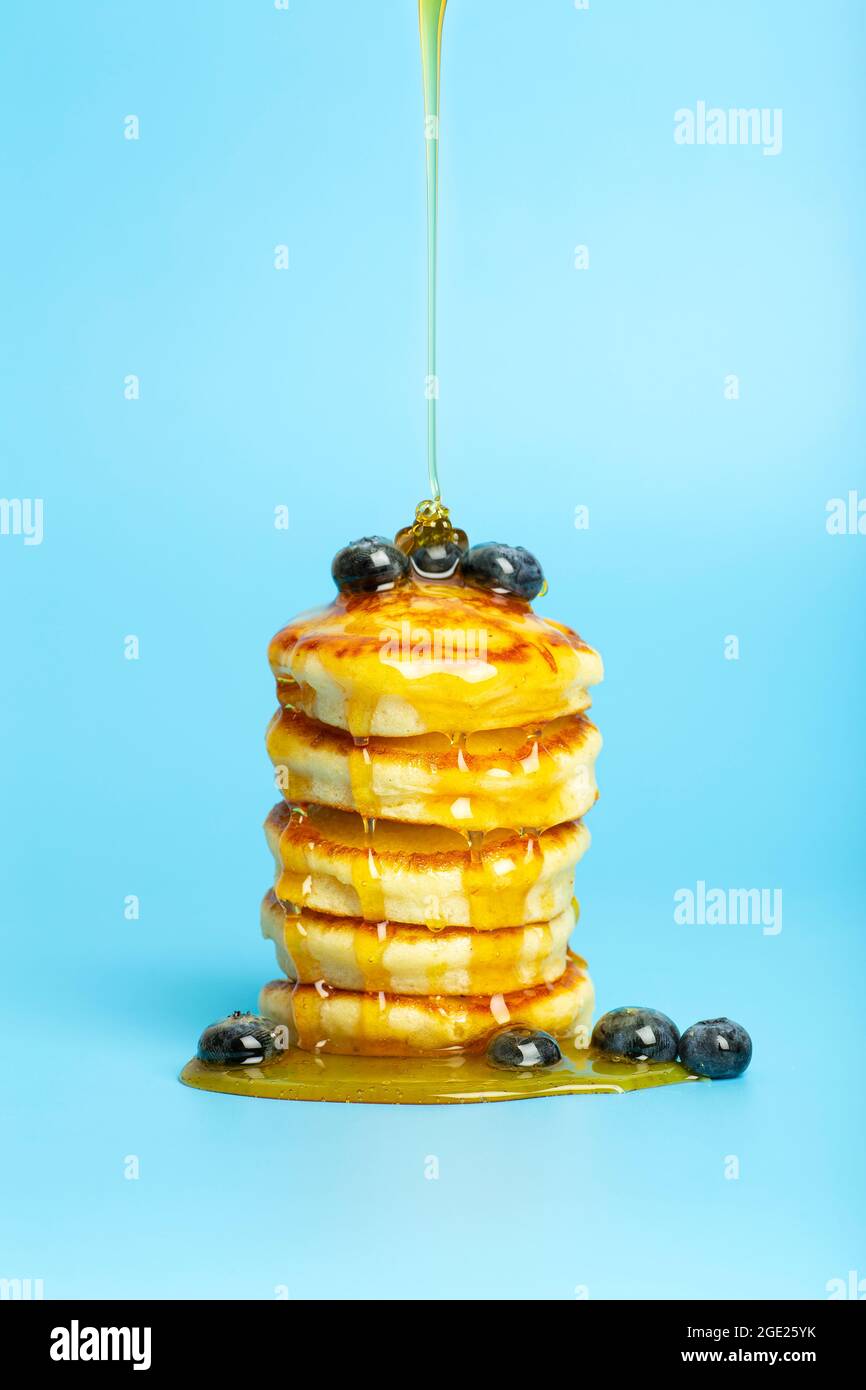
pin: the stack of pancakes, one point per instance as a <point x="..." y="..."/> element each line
<point x="435" y="761"/>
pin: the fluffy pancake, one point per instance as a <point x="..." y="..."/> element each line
<point x="506" y="777"/>
<point x="348" y="953"/>
<point x="422" y="875"/>
<point x="394" y="1025"/>
<point x="431" y="657"/>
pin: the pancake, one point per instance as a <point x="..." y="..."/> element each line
<point x="431" y="657"/>
<point x="508" y="777"/>
<point x="422" y="875"/>
<point x="350" y="954"/>
<point x="395" y="1025"/>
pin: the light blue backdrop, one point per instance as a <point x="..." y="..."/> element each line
<point x="602" y="387"/>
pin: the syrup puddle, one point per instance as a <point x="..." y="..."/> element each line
<point x="461" y="1079"/>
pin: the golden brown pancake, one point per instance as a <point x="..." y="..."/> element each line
<point x="479" y="781"/>
<point x="348" y="953"/>
<point x="431" y="657"/>
<point x="393" y="1025"/>
<point x="422" y="875"/>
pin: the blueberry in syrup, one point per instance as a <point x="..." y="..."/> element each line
<point x="506" y="569"/>
<point x="369" y="564"/>
<point x="716" y="1047"/>
<point x="527" y="1048"/>
<point x="241" y="1040"/>
<point x="644" y="1035"/>
<point x="438" y="560"/>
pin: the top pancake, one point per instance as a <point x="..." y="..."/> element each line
<point x="431" y="657"/>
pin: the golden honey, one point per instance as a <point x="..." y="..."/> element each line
<point x="459" y="1080"/>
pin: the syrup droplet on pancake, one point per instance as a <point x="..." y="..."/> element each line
<point x="361" y="777"/>
<point x="499" y="880"/>
<point x="531" y="762"/>
<point x="287" y="692"/>
<point x="432" y="527"/>
<point x="366" y="876"/>
<point x="405" y="540"/>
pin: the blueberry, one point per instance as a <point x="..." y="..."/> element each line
<point x="437" y="561"/>
<point x="717" y="1047"/>
<point x="241" y="1040"/>
<point x="369" y="564"/>
<point x="507" y="569"/>
<point x="523" y="1047"/>
<point x="644" y="1035"/>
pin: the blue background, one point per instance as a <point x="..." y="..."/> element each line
<point x="559" y="387"/>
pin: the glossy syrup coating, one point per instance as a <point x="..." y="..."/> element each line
<point x="434" y="761"/>
<point x="430" y="876"/>
<point x="432" y="526"/>
<point x="513" y="778"/>
<point x="345" y="1022"/>
<point x="431" y="656"/>
<point x="396" y="958"/>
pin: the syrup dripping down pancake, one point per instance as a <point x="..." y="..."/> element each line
<point x="334" y="862"/>
<point x="431" y="657"/>
<point x="347" y="953"/>
<point x="479" y="781"/>
<point x="326" y="1020"/>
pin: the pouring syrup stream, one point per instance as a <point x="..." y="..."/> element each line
<point x="431" y="17"/>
